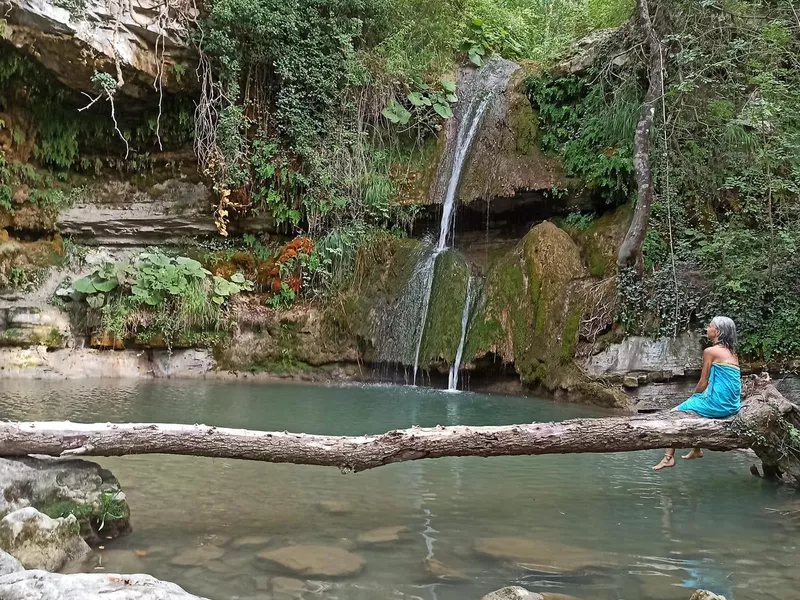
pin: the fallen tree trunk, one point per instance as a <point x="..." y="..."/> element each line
<point x="766" y="423"/>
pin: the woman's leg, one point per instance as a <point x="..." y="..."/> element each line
<point x="694" y="453"/>
<point x="667" y="461"/>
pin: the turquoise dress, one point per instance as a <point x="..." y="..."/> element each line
<point x="721" y="397"/>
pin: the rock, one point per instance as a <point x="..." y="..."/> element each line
<point x="512" y="593"/>
<point x="25" y="326"/>
<point x="442" y="572"/>
<point x="600" y="242"/>
<point x="547" y="556"/>
<point x="706" y="595"/>
<point x="647" y="355"/>
<point x="199" y="556"/>
<point x="586" y="51"/>
<point x="74" y="43"/>
<point x="286" y="587"/>
<point x="556" y="596"/>
<point x="40" y="585"/>
<point x="315" y="561"/>
<point x="382" y="535"/>
<point x="58" y="487"/>
<point x="630" y="382"/>
<point x="39" y="542"/>
<point x="251" y="540"/>
<point x="8" y="564"/>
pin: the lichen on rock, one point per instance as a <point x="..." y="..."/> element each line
<point x="39" y="542"/>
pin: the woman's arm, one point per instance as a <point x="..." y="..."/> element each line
<point x="707" y="359"/>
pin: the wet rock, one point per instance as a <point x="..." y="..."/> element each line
<point x="251" y="540"/>
<point x="39" y="542"/>
<point x="8" y="564"/>
<point x="442" y="572"/>
<point x="41" y="585"/>
<point x="199" y="556"/>
<point x="706" y="595"/>
<point x="286" y="587"/>
<point x="59" y="487"/>
<point x="542" y="556"/>
<point x="630" y="382"/>
<point x="315" y="561"/>
<point x="556" y="596"/>
<point x="512" y="593"/>
<point x="382" y="535"/>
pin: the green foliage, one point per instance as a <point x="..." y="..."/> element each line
<point x="484" y="39"/>
<point x="169" y="294"/>
<point x="590" y="126"/>
<point x="577" y="221"/>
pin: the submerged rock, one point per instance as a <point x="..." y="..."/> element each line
<point x="286" y="587"/>
<point x="542" y="556"/>
<point x="199" y="556"/>
<point x="382" y="535"/>
<point x="251" y="540"/>
<point x="59" y="488"/>
<point x="706" y="595"/>
<point x="315" y="561"/>
<point x="512" y="593"/>
<point x="41" y="585"/>
<point x="441" y="572"/>
<point x="39" y="542"/>
<point x="9" y="564"/>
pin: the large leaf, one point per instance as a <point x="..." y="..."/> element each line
<point x="451" y="98"/>
<point x="396" y="113"/>
<point x="238" y="278"/>
<point x="104" y="285"/>
<point x="85" y="285"/>
<point x="416" y="98"/>
<point x="96" y="301"/>
<point x="443" y="110"/>
<point x="448" y="85"/>
<point x="475" y="59"/>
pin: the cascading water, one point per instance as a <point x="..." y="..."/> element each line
<point x="401" y="341"/>
<point x="452" y="381"/>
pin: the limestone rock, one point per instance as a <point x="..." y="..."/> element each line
<point x="557" y="596"/>
<point x="26" y="326"/>
<point x="286" y="587"/>
<point x="441" y="572"/>
<point x="512" y="593"/>
<point x="74" y="44"/>
<point x="40" y="585"/>
<point x="706" y="595"/>
<point x="646" y="355"/>
<point x="382" y="535"/>
<point x="39" y="542"/>
<point x="315" y="561"/>
<point x="251" y="540"/>
<point x="9" y="564"/>
<point x="630" y="382"/>
<point x="586" y="51"/>
<point x="59" y="487"/>
<point x="544" y="556"/>
<point x="199" y="556"/>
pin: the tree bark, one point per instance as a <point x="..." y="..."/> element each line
<point x="630" y="251"/>
<point x="760" y="425"/>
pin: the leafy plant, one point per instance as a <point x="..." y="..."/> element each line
<point x="483" y="40"/>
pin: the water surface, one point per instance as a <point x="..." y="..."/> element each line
<point x="617" y="530"/>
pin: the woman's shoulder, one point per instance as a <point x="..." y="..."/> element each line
<point x="720" y="354"/>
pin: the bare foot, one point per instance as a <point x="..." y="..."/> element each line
<point x="667" y="461"/>
<point x="695" y="453"/>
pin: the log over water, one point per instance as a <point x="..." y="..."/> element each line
<point x="767" y="423"/>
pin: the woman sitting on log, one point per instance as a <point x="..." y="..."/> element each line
<point x="720" y="387"/>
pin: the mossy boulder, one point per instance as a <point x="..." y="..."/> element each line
<point x="600" y="241"/>
<point x="39" y="542"/>
<point x="62" y="488"/>
<point x="530" y="314"/>
<point x="25" y="326"/>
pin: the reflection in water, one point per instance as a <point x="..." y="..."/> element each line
<point x="603" y="527"/>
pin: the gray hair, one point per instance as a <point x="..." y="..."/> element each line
<point x="727" y="332"/>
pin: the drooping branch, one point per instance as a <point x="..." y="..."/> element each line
<point x="763" y="417"/>
<point x="630" y="252"/>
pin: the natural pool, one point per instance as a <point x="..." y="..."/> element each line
<point x="591" y="526"/>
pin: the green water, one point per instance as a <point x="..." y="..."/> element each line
<point x="617" y="530"/>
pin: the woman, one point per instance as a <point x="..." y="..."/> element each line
<point x="718" y="391"/>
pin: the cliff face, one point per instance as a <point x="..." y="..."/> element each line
<point x="79" y="200"/>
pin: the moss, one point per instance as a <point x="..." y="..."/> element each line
<point x="526" y="129"/>
<point x="569" y="338"/>
<point x="61" y="508"/>
<point x="600" y="242"/>
<point x="12" y="336"/>
<point x="442" y="332"/>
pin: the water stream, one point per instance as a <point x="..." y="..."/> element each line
<point x="592" y="526"/>
<point x="452" y="381"/>
<point x="490" y="81"/>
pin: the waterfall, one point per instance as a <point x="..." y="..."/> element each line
<point x="402" y="340"/>
<point x="452" y="381"/>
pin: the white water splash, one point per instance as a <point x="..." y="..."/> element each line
<point x="452" y="381"/>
